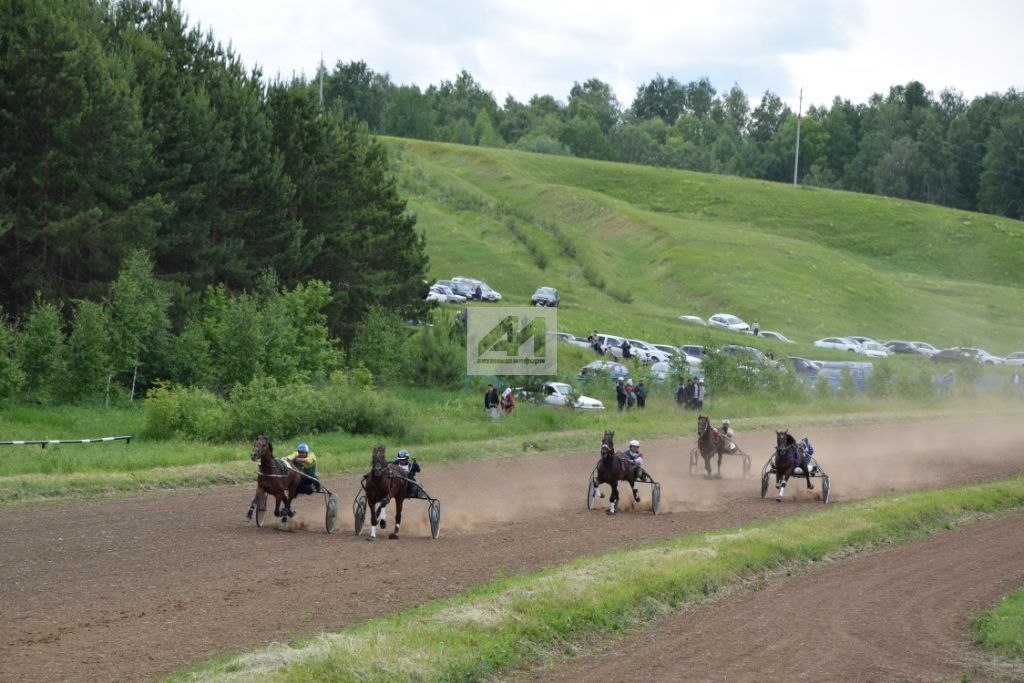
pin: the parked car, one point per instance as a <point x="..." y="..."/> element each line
<point x="545" y="296"/>
<point x="861" y="339"/>
<point x="1015" y="358"/>
<point x="727" y="321"/>
<point x="572" y="339"/>
<point x="487" y="294"/>
<point x="897" y="346"/>
<point x="873" y="349"/>
<point x="748" y="353"/>
<point x="667" y="348"/>
<point x="983" y="355"/>
<point x="838" y="343"/>
<point x="608" y="368"/>
<point x="802" y="366"/>
<point x="650" y="352"/>
<point x="960" y="354"/>
<point x="452" y="296"/>
<point x="462" y="288"/>
<point x="696" y="320"/>
<point x="435" y="296"/>
<point x="694" y="351"/>
<point x="777" y="336"/>
<point x="560" y="394"/>
<point x="613" y="346"/>
<point x="925" y="348"/>
<point x="660" y="371"/>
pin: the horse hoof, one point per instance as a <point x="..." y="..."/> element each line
<point x="370" y="538"/>
<point x="810" y="486"/>
<point x="395" y="536"/>
<point x="383" y="524"/>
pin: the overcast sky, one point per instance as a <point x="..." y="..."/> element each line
<point x="849" y="48"/>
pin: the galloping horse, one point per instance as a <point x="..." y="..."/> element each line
<point x="709" y="442"/>
<point x="275" y="478"/>
<point x="614" y="468"/>
<point x="788" y="456"/>
<point x="382" y="483"/>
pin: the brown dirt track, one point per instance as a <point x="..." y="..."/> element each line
<point x="134" y="588"/>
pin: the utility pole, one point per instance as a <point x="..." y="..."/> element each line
<point x="796" y="155"/>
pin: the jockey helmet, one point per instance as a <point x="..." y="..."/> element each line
<point x="634" y="442"/>
<point x="303" y="448"/>
<point x="725" y="423"/>
<point x="403" y="454"/>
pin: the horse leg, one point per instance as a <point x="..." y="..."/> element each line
<point x="807" y="474"/>
<point x="398" y="517"/>
<point x="255" y="501"/>
<point x="707" y="464"/>
<point x="372" y="504"/>
<point x="719" y="475"/>
<point x="636" y="494"/>
<point x="780" y="484"/>
<point x="614" y="499"/>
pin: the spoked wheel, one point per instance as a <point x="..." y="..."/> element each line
<point x="261" y="509"/>
<point x="331" y="516"/>
<point x="693" y="462"/>
<point x="434" y="514"/>
<point x="655" y="498"/>
<point x="825" y="486"/>
<point x="746" y="466"/>
<point x="591" y="493"/>
<point x="764" y="484"/>
<point x="359" y="513"/>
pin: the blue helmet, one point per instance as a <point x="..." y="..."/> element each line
<point x="403" y="454"/>
<point x="303" y="448"/>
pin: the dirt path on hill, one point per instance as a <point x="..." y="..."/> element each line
<point x="134" y="588"/>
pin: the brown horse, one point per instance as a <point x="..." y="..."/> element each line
<point x="614" y="468"/>
<point x="274" y="478"/>
<point x="709" y="442"/>
<point x="789" y="455"/>
<point x="382" y="483"/>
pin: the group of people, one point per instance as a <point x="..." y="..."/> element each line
<point x="628" y="395"/>
<point x="494" y="402"/>
<point x="690" y="396"/>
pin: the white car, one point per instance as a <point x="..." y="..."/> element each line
<point x="650" y="352"/>
<point x="435" y="296"/>
<point x="861" y="339"/>
<point x="873" y="349"/>
<point x="982" y="355"/>
<point x="696" y="320"/>
<point x="451" y="296"/>
<point x="572" y="339"/>
<point x="560" y="394"/>
<point x="838" y="343"/>
<point x="667" y="348"/>
<point x="926" y="348"/>
<point x="777" y="336"/>
<point x="726" y="321"/>
<point x="1015" y="358"/>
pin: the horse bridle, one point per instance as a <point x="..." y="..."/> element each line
<point x="701" y="431"/>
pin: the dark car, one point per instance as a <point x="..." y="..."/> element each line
<point x="545" y="296"/>
<point x="952" y="356"/>
<point x="802" y="366"/>
<point x="903" y="347"/>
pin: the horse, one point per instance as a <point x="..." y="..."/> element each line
<point x="788" y="456"/>
<point x="709" y="442"/>
<point x="274" y="478"/>
<point x="382" y="483"/>
<point x="614" y="468"/>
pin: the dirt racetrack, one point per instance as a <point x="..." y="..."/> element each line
<point x="130" y="589"/>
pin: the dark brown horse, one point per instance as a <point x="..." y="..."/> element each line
<point x="614" y="468"/>
<point x="709" y="442"/>
<point x="383" y="483"/>
<point x="275" y="478"/>
<point x="789" y="456"/>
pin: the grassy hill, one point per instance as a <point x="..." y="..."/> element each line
<point x="630" y="248"/>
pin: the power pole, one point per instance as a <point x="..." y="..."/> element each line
<point x="796" y="155"/>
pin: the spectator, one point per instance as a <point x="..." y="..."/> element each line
<point x="627" y="350"/>
<point x="689" y="394"/>
<point x="947" y="382"/>
<point x="698" y="395"/>
<point x="491" y="401"/>
<point x="630" y="395"/>
<point x="681" y="393"/>
<point x="478" y="293"/>
<point x="1015" y="381"/>
<point x="620" y="394"/>
<point x="507" y="402"/>
<point x="641" y="394"/>
<point x="595" y="342"/>
<point x="756" y="328"/>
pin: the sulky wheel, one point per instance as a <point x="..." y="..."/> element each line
<point x="693" y="461"/>
<point x="261" y="509"/>
<point x="331" y="515"/>
<point x="359" y="513"/>
<point x="655" y="498"/>
<point x="764" y="484"/>
<point x="591" y="493"/>
<point x="434" y="514"/>
<point x="825" y="486"/>
<point x="746" y="466"/>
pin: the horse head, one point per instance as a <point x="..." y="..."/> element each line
<point x="785" y="443"/>
<point x="608" y="443"/>
<point x="703" y="424"/>
<point x="260" y="447"/>
<point x="379" y="462"/>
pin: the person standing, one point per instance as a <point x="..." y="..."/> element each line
<point x="507" y="402"/>
<point x="1015" y="381"/>
<point x="620" y="394"/>
<point x="756" y="328"/>
<point x="630" y="395"/>
<point x="699" y="392"/>
<point x="627" y="350"/>
<point x="680" y="393"/>
<point x="641" y="394"/>
<point x="491" y="401"/>
<point x="688" y="394"/>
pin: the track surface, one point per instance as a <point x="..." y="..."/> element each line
<point x="134" y="588"/>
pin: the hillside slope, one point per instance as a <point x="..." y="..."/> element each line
<point x="632" y="247"/>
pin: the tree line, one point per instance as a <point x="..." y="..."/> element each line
<point x="908" y="143"/>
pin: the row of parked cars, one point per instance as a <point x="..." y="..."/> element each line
<point x="459" y="290"/>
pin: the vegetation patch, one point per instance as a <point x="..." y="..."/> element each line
<point x="514" y="621"/>
<point x="1002" y="628"/>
